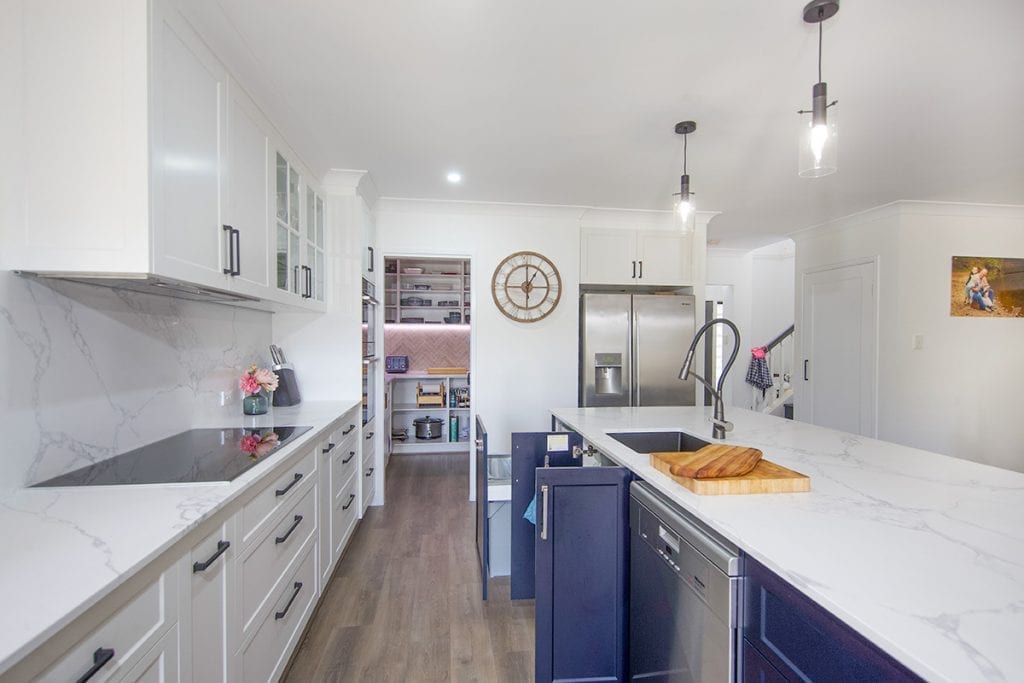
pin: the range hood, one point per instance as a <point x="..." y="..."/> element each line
<point x="150" y="284"/>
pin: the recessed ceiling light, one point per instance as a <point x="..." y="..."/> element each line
<point x="454" y="177"/>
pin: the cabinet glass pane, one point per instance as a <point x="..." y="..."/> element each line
<point x="282" y="189"/>
<point x="293" y="199"/>
<point x="319" y="276"/>
<point x="282" y="257"/>
<point x="293" y="253"/>
<point x="320" y="223"/>
<point x="310" y="215"/>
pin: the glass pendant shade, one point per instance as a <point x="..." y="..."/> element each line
<point x="684" y="203"/>
<point x="819" y="149"/>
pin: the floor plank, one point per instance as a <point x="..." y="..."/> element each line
<point x="404" y="603"/>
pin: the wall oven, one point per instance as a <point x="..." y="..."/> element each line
<point x="370" y="356"/>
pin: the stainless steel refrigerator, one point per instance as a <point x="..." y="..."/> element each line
<point x="632" y="347"/>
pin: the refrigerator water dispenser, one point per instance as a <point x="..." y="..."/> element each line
<point x="608" y="373"/>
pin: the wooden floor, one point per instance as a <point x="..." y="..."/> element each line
<point x="404" y="603"/>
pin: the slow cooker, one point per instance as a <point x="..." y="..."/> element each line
<point x="427" y="427"/>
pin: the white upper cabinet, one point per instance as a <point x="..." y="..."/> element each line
<point x="246" y="194"/>
<point x="143" y="158"/>
<point x="188" y="90"/>
<point x="611" y="256"/>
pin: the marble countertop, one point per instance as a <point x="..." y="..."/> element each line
<point x="76" y="545"/>
<point x="921" y="553"/>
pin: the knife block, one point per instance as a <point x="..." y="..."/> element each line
<point x="287" y="393"/>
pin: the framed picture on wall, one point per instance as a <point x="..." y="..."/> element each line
<point x="987" y="286"/>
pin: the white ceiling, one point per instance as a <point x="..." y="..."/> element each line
<point x="574" y="101"/>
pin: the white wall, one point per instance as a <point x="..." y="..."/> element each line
<point x="520" y="370"/>
<point x="958" y="395"/>
<point x="761" y="284"/>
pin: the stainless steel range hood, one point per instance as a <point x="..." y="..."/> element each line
<point x="151" y="284"/>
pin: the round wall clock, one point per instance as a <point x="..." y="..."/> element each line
<point x="526" y="286"/>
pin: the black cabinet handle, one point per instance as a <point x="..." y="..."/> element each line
<point x="295" y="279"/>
<point x="282" y="539"/>
<point x="230" y="270"/>
<point x="641" y="269"/>
<point x="309" y="282"/>
<point x="349" y="430"/>
<point x="347" y="505"/>
<point x="99" y="659"/>
<point x="369" y="436"/>
<point x="293" y="482"/>
<point x="369" y="472"/>
<point x="236" y="237"/>
<point x="370" y="269"/>
<point x="280" y="615"/>
<point x="330" y="447"/>
<point x="222" y="547"/>
<point x="805" y="369"/>
<point x="351" y="454"/>
<point x="634" y="270"/>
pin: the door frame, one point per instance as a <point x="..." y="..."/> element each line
<point x="800" y="399"/>
<point x="425" y="254"/>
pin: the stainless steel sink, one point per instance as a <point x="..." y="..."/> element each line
<point x="656" y="442"/>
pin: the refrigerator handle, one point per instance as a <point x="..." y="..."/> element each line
<point x="634" y="344"/>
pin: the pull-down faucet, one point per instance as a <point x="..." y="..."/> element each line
<point x="720" y="425"/>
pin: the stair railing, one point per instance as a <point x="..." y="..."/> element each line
<point x="779" y="355"/>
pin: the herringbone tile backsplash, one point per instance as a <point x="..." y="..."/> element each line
<point x="429" y="346"/>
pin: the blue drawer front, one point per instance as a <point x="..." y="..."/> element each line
<point x="803" y="640"/>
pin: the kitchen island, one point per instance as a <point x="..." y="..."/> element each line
<point x="922" y="554"/>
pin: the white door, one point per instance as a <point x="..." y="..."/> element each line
<point x="188" y="93"/>
<point x="663" y="257"/>
<point x="839" y="352"/>
<point x="247" y="195"/>
<point x="608" y="256"/>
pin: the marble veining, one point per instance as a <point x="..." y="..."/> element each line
<point x="921" y="553"/>
<point x="91" y="372"/>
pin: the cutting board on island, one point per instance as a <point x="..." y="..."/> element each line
<point x="760" y="475"/>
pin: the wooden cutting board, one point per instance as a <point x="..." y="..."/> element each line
<point x="766" y="477"/>
<point x="712" y="461"/>
<point x="446" y="371"/>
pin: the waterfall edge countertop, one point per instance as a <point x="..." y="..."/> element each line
<point x="68" y="548"/>
<point x="921" y="553"/>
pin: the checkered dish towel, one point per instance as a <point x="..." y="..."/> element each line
<point x="759" y="374"/>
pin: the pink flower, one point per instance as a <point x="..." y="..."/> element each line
<point x="249" y="385"/>
<point x="249" y="443"/>
<point x="266" y="378"/>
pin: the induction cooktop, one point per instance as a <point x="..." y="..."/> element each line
<point x="198" y="455"/>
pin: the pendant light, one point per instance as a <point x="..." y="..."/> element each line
<point x="684" y="205"/>
<point x="818" y="153"/>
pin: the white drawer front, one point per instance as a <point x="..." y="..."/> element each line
<point x="160" y="664"/>
<point x="269" y="649"/>
<point x="345" y="515"/>
<point x="344" y="464"/>
<point x="281" y="492"/>
<point x="129" y="633"/>
<point x="263" y="566"/>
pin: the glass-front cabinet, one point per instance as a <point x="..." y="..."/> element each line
<point x="300" y="261"/>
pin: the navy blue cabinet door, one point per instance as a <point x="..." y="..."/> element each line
<point x="582" y="552"/>
<point x="803" y="640"/>
<point x="757" y="669"/>
<point x="530" y="451"/>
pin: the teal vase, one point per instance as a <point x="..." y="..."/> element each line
<point x="256" y="404"/>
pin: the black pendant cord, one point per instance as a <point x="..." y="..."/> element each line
<point x="685" y="139"/>
<point x="821" y="12"/>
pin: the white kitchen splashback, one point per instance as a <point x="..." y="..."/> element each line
<point x="89" y="372"/>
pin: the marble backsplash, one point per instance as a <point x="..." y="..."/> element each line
<point x="89" y="372"/>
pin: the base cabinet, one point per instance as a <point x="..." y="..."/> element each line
<point x="797" y="639"/>
<point x="233" y="602"/>
<point x="582" y="531"/>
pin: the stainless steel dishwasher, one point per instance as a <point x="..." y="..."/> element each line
<point x="683" y="594"/>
